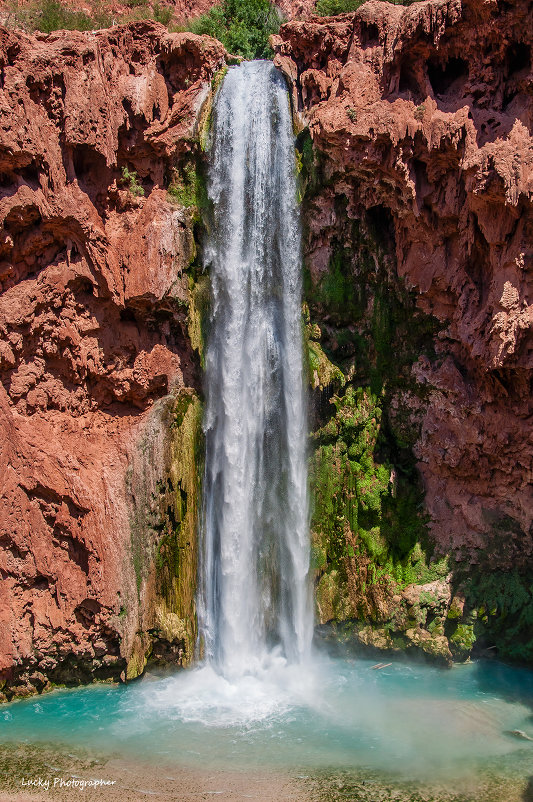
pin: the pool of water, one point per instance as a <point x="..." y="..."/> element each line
<point x="406" y="719"/>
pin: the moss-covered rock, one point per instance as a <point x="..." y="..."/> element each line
<point x="165" y="486"/>
<point x="370" y="545"/>
<point x="376" y="575"/>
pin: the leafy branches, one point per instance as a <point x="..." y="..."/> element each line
<point x="243" y="26"/>
<point x="130" y="180"/>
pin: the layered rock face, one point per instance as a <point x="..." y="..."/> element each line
<point x="419" y="196"/>
<point x="95" y="322"/>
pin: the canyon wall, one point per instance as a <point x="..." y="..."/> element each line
<point x="416" y="159"/>
<point x="99" y="351"/>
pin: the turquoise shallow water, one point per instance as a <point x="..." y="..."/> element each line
<point x="407" y="719"/>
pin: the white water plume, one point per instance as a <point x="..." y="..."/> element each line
<point x="255" y="598"/>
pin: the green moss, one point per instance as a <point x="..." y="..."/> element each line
<point x="183" y="188"/>
<point x="463" y="638"/>
<point x="139" y="656"/>
<point x="356" y="505"/>
<point x="200" y="298"/>
<point x="500" y="606"/>
<point x="337" y="292"/>
<point x="322" y="371"/>
<point x="218" y="78"/>
<point x="307" y="165"/>
<point x="369" y="528"/>
<point x="187" y="185"/>
<point x="206" y="117"/>
<point x="455" y="611"/>
<point x="164" y="522"/>
<point x="176" y="559"/>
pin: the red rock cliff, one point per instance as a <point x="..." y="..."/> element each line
<point x="428" y="112"/>
<point x="93" y="323"/>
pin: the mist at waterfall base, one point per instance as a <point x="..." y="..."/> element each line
<point x="262" y="697"/>
<point x="408" y="720"/>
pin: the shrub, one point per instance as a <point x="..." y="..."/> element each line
<point x="130" y="180"/>
<point x="243" y="26"/>
<point x="52" y="15"/>
<point x="162" y="14"/>
<point x="330" y="8"/>
<point x="352" y="114"/>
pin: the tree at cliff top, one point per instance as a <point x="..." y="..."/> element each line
<point x="243" y="26"/>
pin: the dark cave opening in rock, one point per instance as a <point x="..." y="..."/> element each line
<point x="443" y="76"/>
<point x="517" y="58"/>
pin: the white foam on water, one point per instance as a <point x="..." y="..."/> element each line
<point x="262" y="697"/>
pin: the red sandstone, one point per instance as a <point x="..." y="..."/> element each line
<point x="427" y="110"/>
<point x="92" y="322"/>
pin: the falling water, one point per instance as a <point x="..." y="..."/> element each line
<point x="255" y="592"/>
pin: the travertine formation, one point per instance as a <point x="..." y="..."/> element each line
<point x="94" y="314"/>
<point x="418" y="204"/>
<point x="427" y="111"/>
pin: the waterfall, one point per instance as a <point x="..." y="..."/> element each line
<point x="255" y="598"/>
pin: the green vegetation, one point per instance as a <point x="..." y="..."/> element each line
<point x="352" y="114"/>
<point x="369" y="529"/>
<point x="329" y="8"/>
<point x="164" y="520"/>
<point x="500" y="606"/>
<point x="307" y="165"/>
<point x="243" y="26"/>
<point x="364" y="508"/>
<point x="419" y="112"/>
<point x="130" y="181"/>
<point x="53" y="15"/>
<point x="462" y="639"/>
<point x="162" y="14"/>
<point x="188" y="188"/>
